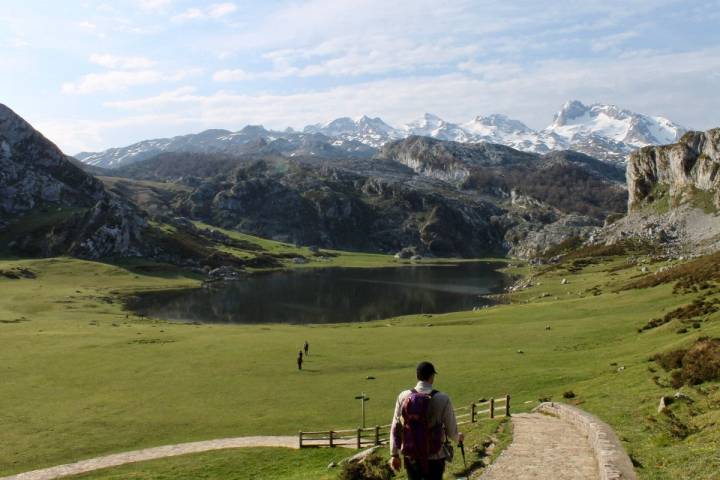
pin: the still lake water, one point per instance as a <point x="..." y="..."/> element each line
<point x="332" y="295"/>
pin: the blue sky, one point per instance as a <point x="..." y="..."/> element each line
<point x="96" y="74"/>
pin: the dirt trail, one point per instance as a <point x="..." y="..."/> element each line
<point x="544" y="448"/>
<point x="152" y="454"/>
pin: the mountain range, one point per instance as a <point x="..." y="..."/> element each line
<point x="606" y="132"/>
<point x="432" y="196"/>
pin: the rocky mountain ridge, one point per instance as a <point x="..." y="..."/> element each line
<point x="437" y="197"/>
<point x="605" y="132"/>
<point x="252" y="139"/>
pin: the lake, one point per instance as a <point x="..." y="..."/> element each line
<point x="333" y="295"/>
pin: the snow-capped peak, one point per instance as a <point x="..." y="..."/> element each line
<point x="433" y="126"/>
<point x="370" y="131"/>
<point x="578" y="123"/>
<point x="494" y="123"/>
<point x="570" y="111"/>
<point x="427" y="122"/>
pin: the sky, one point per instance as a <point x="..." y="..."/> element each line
<point x="91" y="75"/>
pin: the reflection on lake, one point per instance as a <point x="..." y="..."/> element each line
<point x="328" y="295"/>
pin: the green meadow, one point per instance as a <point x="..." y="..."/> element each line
<point x="82" y="377"/>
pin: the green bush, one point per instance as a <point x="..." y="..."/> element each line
<point x="374" y="467"/>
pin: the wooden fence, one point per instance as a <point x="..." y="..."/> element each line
<point x="380" y="434"/>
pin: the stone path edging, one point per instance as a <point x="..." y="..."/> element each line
<point x="613" y="462"/>
<point x="154" y="453"/>
<point x="544" y="447"/>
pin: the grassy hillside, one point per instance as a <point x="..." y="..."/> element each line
<point x="81" y="379"/>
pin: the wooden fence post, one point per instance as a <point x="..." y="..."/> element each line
<point x="507" y="405"/>
<point x="492" y="408"/>
<point x="377" y="435"/>
<point x="300" y="445"/>
<point x="472" y="413"/>
<point x="331" y="439"/>
<point x="359" y="439"/>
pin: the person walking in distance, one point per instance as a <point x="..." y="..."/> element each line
<point x="306" y="347"/>
<point x="423" y="421"/>
<point x="300" y="360"/>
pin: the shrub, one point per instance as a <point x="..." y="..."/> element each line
<point x="670" y="360"/>
<point x="373" y="467"/>
<point x="700" y="363"/>
<point x="569" y="394"/>
<point x="697" y="308"/>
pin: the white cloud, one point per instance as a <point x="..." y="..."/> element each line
<point x="612" y="41"/>
<point x="214" y="11"/>
<point x="111" y="81"/>
<point x="73" y="135"/>
<point x="163" y="100"/>
<point x="86" y="26"/>
<point x="119" y="80"/>
<point x="491" y="70"/>
<point x="154" y="4"/>
<point x="221" y="9"/>
<point x="189" y="14"/>
<point x="342" y="57"/>
<point x="234" y="75"/>
<point x="122" y="63"/>
<point x="19" y="42"/>
<point x="530" y="93"/>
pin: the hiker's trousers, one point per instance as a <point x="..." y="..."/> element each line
<point x="436" y="468"/>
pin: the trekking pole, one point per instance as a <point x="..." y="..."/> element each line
<point x="462" y="451"/>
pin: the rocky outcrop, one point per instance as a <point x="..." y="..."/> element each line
<point x="449" y="161"/>
<point x="533" y="242"/>
<point x="336" y="208"/>
<point x="75" y="214"/>
<point x="675" y="170"/>
<point x="673" y="196"/>
<point x="34" y="173"/>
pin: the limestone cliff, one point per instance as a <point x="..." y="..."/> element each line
<point x="673" y="196"/>
<point x="681" y="171"/>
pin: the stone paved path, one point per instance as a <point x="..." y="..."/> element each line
<point x="152" y="454"/>
<point x="544" y="448"/>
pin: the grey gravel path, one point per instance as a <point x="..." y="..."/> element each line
<point x="544" y="448"/>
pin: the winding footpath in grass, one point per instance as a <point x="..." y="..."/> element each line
<point x="154" y="453"/>
<point x="544" y="448"/>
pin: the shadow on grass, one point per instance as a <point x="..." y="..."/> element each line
<point x="149" y="268"/>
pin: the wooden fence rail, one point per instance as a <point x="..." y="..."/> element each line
<point x="380" y="434"/>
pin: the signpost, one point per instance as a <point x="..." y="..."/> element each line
<point x="362" y="399"/>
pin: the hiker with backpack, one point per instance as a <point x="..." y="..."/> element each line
<point x="422" y="425"/>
